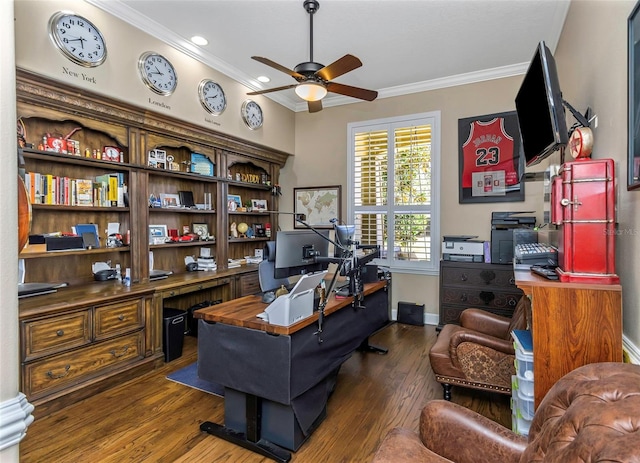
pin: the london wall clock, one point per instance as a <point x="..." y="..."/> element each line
<point x="252" y="114"/>
<point x="78" y="39"/>
<point x="212" y="97"/>
<point x="157" y="73"/>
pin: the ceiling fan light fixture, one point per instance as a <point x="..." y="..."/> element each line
<point x="311" y="91"/>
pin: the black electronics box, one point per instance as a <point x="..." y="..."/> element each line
<point x="64" y="243"/>
<point x="502" y="226"/>
<point x="411" y="313"/>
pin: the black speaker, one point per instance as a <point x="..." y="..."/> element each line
<point x="411" y="313"/>
<point x="63" y="243"/>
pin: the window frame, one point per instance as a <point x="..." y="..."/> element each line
<point x="427" y="267"/>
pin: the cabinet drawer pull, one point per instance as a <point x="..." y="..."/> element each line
<point x="121" y="317"/>
<point x="512" y="302"/>
<point x="115" y="354"/>
<point x="172" y="293"/>
<point x="60" y="333"/>
<point x="61" y="375"/>
<point x="199" y="286"/>
<point x="464" y="297"/>
<point x="512" y="281"/>
<point x="464" y="277"/>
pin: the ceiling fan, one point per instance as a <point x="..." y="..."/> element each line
<point x="315" y="79"/>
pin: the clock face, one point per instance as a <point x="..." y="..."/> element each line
<point x="252" y="114"/>
<point x="212" y="97"/>
<point x="157" y="73"/>
<point x="78" y="39"/>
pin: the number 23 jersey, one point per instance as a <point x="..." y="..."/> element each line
<point x="489" y="148"/>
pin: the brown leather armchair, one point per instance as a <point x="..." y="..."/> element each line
<point x="479" y="353"/>
<point x="591" y="414"/>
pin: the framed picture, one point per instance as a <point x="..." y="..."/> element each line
<point x="259" y="205"/>
<point x="200" y="229"/>
<point x="169" y="200"/>
<point x="491" y="162"/>
<point x="157" y="159"/>
<point x="633" y="105"/>
<point x="157" y="234"/>
<point x="319" y="204"/>
<point x="234" y="202"/>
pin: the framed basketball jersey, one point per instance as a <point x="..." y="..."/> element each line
<point x="491" y="164"/>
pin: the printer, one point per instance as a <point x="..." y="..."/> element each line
<point x="297" y="305"/>
<point x="462" y="248"/>
<point x="502" y="226"/>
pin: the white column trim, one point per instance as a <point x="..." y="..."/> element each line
<point x="15" y="418"/>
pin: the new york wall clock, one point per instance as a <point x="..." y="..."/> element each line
<point x="78" y="39"/>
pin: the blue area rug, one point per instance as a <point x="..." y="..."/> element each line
<point x="189" y="377"/>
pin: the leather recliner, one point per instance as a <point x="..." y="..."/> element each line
<point x="591" y="414"/>
<point x="479" y="353"/>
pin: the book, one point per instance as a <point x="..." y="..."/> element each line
<point x="84" y="192"/>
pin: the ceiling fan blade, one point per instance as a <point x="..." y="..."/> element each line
<point x="277" y="66"/>
<point x="355" y="92"/>
<point x="269" y="90"/>
<point x="341" y="66"/>
<point x="314" y="106"/>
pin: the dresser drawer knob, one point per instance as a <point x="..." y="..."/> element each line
<point x="121" y="317"/>
<point x="464" y="297"/>
<point x="512" y="281"/>
<point x="512" y="302"/>
<point x="61" y="375"/>
<point x="200" y="287"/>
<point x="464" y="277"/>
<point x="172" y="293"/>
<point x="60" y="333"/>
<point x="123" y="352"/>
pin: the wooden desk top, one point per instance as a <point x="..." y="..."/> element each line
<point x="525" y="280"/>
<point x="243" y="312"/>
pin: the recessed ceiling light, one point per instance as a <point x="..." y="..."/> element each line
<point x="264" y="79"/>
<point x="199" y="40"/>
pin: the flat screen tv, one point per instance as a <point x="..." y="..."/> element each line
<point x="540" y="109"/>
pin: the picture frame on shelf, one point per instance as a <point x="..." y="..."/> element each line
<point x="157" y="159"/>
<point x="201" y="164"/>
<point x="158" y="234"/>
<point x="234" y="202"/>
<point x="259" y="205"/>
<point x="319" y="204"/>
<point x="169" y="200"/>
<point x="200" y="229"/>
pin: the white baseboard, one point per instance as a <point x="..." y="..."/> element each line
<point x="631" y="350"/>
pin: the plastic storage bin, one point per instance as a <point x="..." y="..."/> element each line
<point x="524" y="365"/>
<point x="525" y="386"/>
<point x="172" y="333"/>
<point x="521" y="410"/>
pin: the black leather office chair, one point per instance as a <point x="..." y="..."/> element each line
<point x="266" y="270"/>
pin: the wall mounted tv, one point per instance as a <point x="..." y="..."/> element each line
<point x="540" y="110"/>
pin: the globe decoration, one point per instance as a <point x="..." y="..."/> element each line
<point x="242" y="228"/>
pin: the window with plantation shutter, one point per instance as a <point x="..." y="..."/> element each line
<point x="393" y="185"/>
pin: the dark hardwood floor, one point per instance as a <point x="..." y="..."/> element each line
<point x="152" y="419"/>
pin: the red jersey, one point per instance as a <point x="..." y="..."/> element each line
<point x="488" y="149"/>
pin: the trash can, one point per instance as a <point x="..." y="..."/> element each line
<point x="172" y="333"/>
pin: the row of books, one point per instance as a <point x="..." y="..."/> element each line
<point x="108" y="190"/>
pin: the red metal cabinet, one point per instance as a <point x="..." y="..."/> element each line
<point x="583" y="207"/>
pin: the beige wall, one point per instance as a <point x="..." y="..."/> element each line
<point x="118" y="76"/>
<point x="592" y="66"/>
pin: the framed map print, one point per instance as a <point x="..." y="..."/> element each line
<point x="319" y="204"/>
<point x="491" y="164"/>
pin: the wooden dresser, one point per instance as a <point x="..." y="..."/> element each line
<point x="573" y="324"/>
<point x="472" y="284"/>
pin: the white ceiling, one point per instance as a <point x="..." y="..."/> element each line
<point x="405" y="46"/>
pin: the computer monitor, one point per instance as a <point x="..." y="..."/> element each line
<point x="344" y="237"/>
<point x="296" y="252"/>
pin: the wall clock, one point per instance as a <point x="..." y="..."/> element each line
<point x="252" y="114"/>
<point x="212" y="97"/>
<point x="78" y="39"/>
<point x="157" y="73"/>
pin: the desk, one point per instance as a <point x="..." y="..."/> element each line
<point x="278" y="379"/>
<point x="573" y="324"/>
